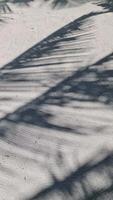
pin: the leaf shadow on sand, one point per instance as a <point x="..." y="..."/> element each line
<point x="84" y="85"/>
<point x="92" y="84"/>
<point x="106" y="4"/>
<point x="88" y="85"/>
<point x="89" y="181"/>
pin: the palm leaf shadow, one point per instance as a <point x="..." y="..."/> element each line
<point x="34" y="113"/>
<point x="71" y="90"/>
<point x="105" y="4"/>
<point x="70" y="44"/>
<point x="85" y="85"/>
<point x="80" y="184"/>
<point x="76" y="38"/>
<point x="6" y="5"/>
<point x="22" y="2"/>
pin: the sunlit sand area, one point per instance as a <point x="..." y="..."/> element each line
<point x="56" y="100"/>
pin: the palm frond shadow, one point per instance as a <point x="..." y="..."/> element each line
<point x="70" y="44"/>
<point x="89" y="181"/>
<point x="22" y="2"/>
<point x="91" y="83"/>
<point x="57" y="3"/>
<point x="106" y="5"/>
<point x="50" y="60"/>
<point x="66" y="46"/>
<point x="6" y="5"/>
<point x="88" y="85"/>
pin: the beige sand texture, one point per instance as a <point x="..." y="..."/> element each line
<point x="56" y="103"/>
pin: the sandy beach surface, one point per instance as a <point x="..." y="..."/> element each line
<point x="56" y="103"/>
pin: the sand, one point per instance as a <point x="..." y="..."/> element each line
<point x="56" y="104"/>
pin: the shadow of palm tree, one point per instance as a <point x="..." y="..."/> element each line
<point x="106" y="4"/>
<point x="6" y="8"/>
<point x="89" y="181"/>
<point x="69" y="45"/>
<point x="90" y="84"/>
<point x="65" y="3"/>
<point x="49" y="60"/>
<point x="22" y="2"/>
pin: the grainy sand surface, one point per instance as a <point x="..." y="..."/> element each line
<point x="56" y="103"/>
